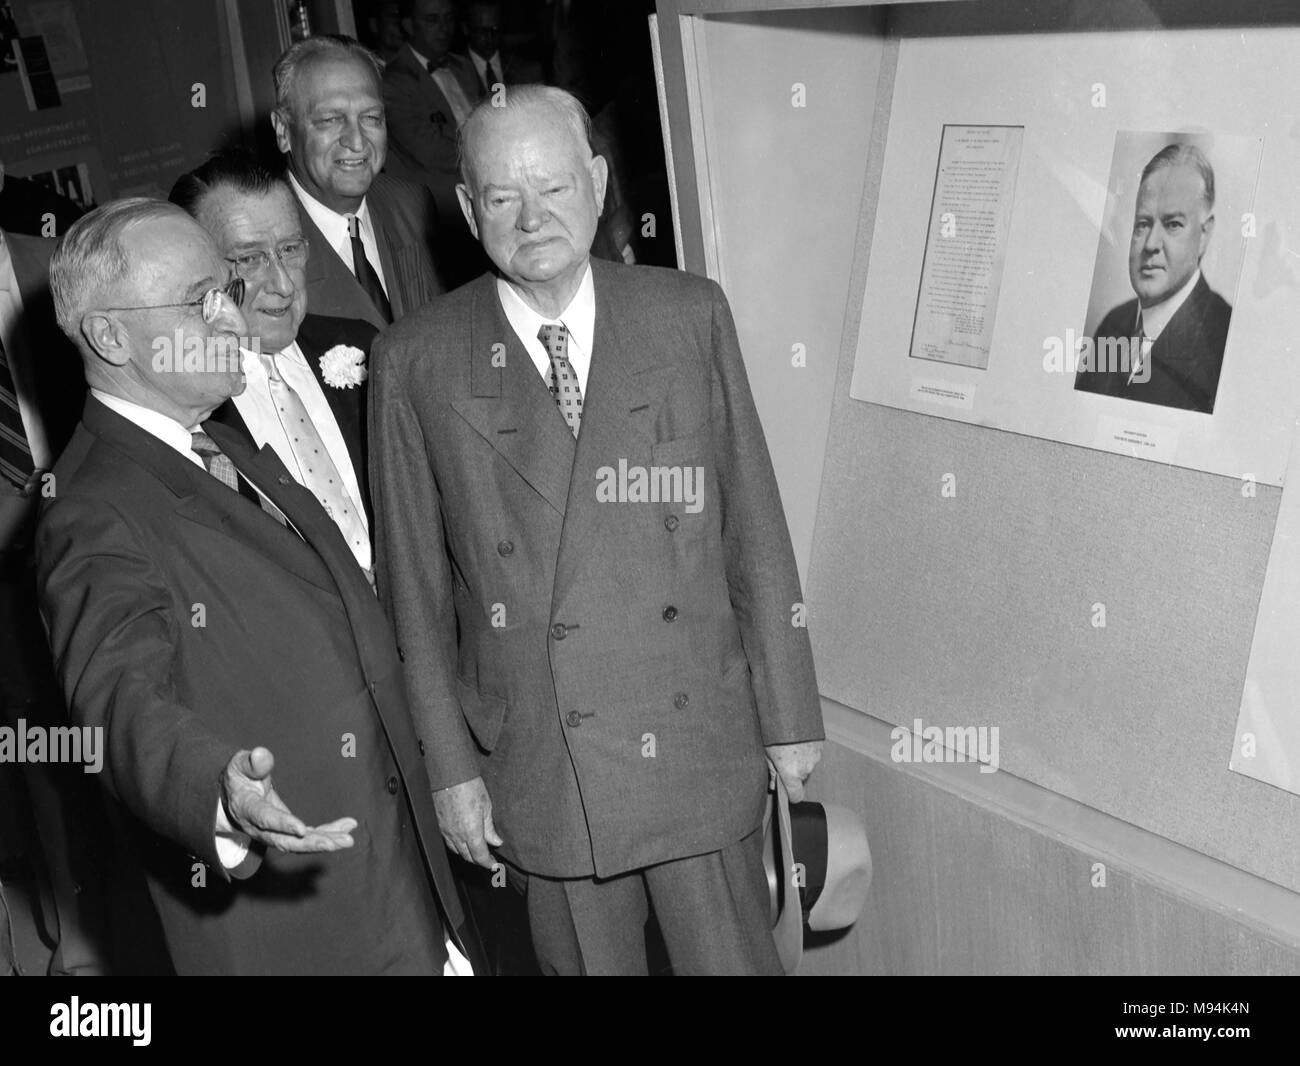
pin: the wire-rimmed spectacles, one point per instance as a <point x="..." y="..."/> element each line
<point x="293" y="254"/>
<point x="209" y="303"/>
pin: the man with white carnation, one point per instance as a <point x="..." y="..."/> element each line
<point x="305" y="395"/>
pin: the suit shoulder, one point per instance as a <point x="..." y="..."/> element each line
<point x="660" y="285"/>
<point x="441" y="323"/>
<point x="400" y="192"/>
<point x="1119" y="321"/>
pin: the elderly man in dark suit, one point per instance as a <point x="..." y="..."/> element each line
<point x="373" y="235"/>
<point x="1166" y="346"/>
<point x="580" y="540"/>
<point x="306" y="384"/>
<point x="194" y="625"/>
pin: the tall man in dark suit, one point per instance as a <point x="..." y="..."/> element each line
<point x="372" y="234"/>
<point x="305" y="385"/>
<point x="580" y="540"/>
<point x="193" y="625"/>
<point x="1166" y="346"/>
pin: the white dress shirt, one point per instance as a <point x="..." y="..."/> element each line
<point x="11" y="303"/>
<point x="258" y="409"/>
<point x="335" y="228"/>
<point x="480" y="65"/>
<point x="232" y="846"/>
<point x="579" y="319"/>
<point x="461" y="105"/>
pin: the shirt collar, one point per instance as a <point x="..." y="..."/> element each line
<point x="1154" y="319"/>
<point x="159" y="425"/>
<point x="332" y="224"/>
<point x="579" y="318"/>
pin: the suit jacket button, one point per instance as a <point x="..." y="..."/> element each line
<point x="681" y="700"/>
<point x="401" y="656"/>
<point x="505" y="547"/>
<point x="393" y="786"/>
<point x="283" y="480"/>
<point x="670" y="614"/>
<point x="671" y="523"/>
<point x="573" y="718"/>
<point x="559" y="631"/>
<point x="421" y="747"/>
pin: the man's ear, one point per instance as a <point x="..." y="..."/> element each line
<point x="599" y="179"/>
<point x="466" y="199"/>
<point x="280" y="123"/>
<point x="106" y="337"/>
<point x="1207" y="230"/>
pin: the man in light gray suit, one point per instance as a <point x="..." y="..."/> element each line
<point x="581" y="543"/>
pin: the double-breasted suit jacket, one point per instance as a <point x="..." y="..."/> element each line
<point x="612" y="667"/>
<point x="189" y="624"/>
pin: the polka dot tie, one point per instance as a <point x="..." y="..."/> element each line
<point x="563" y="379"/>
<point x="316" y="470"/>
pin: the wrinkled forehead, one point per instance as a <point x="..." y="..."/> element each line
<point x="234" y="215"/>
<point x="169" y="259"/>
<point x="334" y="81"/>
<point x="535" y="137"/>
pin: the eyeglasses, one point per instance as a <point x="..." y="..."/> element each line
<point x="293" y="254"/>
<point x="210" y="302"/>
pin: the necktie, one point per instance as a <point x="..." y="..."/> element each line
<point x="317" y="472"/>
<point x="1145" y="344"/>
<point x="489" y="77"/>
<point x="15" y="451"/>
<point x="563" y="380"/>
<point x="218" y="464"/>
<point x="365" y="272"/>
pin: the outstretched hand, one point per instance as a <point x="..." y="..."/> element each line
<point x="254" y="808"/>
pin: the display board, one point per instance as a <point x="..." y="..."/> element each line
<point x="1021" y="242"/>
<point x="1096" y="610"/>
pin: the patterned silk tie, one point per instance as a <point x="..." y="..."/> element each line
<point x="218" y="464"/>
<point x="15" y="451"/>
<point x="318" y="473"/>
<point x="1145" y="344"/>
<point x="365" y="272"/>
<point x="563" y="379"/>
<point x="489" y="77"/>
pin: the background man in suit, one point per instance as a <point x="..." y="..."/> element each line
<point x="309" y="408"/>
<point x="596" y="674"/>
<point x="428" y="93"/>
<point x="189" y="624"/>
<point x="371" y="234"/>
<point x="1176" y="329"/>
<point x="482" y="24"/>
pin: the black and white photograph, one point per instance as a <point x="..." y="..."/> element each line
<point x="638" y="488"/>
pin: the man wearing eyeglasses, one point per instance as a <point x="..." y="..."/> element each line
<point x="305" y="393"/>
<point x="207" y="616"/>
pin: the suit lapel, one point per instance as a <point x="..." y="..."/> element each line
<point x="381" y="218"/>
<point x="618" y="415"/>
<point x="203" y="499"/>
<point x="327" y="275"/>
<point x="510" y="406"/>
<point x="344" y="404"/>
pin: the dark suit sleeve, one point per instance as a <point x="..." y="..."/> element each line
<point x="413" y="573"/>
<point x="761" y="574"/>
<point x="115" y="636"/>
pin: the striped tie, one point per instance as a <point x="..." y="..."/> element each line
<point x="15" y="452"/>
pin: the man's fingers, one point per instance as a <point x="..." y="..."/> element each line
<point x="260" y="817"/>
<point x="490" y="833"/>
<point x="342" y="825"/>
<point x="793" y="788"/>
<point x="313" y="841"/>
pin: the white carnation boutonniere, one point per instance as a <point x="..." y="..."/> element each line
<point x="343" y="366"/>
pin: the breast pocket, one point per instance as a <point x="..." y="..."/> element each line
<point x="679" y="470"/>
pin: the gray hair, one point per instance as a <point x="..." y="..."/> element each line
<point x="569" y="107"/>
<point x="90" y="257"/>
<point x="307" y="51"/>
<point x="1176" y="155"/>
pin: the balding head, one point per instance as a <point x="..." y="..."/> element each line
<point x="533" y="191"/>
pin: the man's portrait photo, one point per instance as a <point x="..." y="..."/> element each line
<point x="1158" y="330"/>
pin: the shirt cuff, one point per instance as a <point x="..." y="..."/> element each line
<point x="232" y="845"/>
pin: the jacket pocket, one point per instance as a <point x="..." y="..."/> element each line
<point x="484" y="714"/>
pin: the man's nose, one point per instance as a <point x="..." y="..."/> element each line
<point x="276" y="278"/>
<point x="532" y="213"/>
<point x="230" y="320"/>
<point x="1154" y="241"/>
<point x="352" y="137"/>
